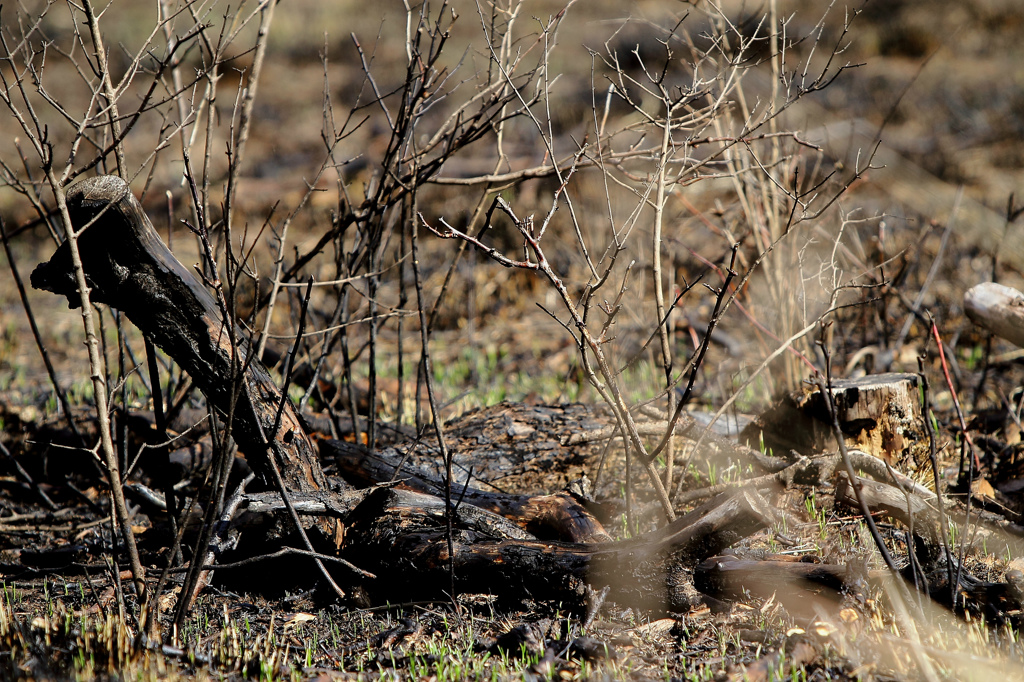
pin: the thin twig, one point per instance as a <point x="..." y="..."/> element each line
<point x="825" y="387"/>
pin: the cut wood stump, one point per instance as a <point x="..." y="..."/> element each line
<point x="879" y="414"/>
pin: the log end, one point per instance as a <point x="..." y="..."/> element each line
<point x="57" y="276"/>
<point x="115" y="240"/>
<point x="879" y="414"/>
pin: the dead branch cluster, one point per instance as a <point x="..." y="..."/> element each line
<point x="257" y="426"/>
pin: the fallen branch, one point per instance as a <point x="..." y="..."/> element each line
<point x="399" y="532"/>
<point x="997" y="308"/>
<point x="128" y="267"/>
<point x="406" y="548"/>
<point x="988" y="530"/>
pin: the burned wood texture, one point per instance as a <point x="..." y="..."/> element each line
<point x="407" y="550"/>
<point x="560" y="516"/>
<point x="517" y="448"/>
<point x="323" y="503"/>
<point x="879" y="414"/>
<point x="403" y="503"/>
<point x="129" y="268"/>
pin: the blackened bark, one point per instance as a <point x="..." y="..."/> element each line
<point x="129" y="268"/>
<point x="407" y="550"/>
<point x="561" y="516"/>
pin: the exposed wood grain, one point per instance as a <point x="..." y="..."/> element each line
<point x="879" y="414"/>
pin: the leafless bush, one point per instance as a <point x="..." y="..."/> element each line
<point x="153" y="113"/>
<point x="687" y="126"/>
<point x="697" y="126"/>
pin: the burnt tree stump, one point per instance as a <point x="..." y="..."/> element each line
<point x="879" y="414"/>
<point x="128" y="267"/>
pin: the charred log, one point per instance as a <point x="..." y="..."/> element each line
<point x="129" y="268"/>
<point x="407" y="550"/>
<point x="561" y="516"/>
<point x="790" y="582"/>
